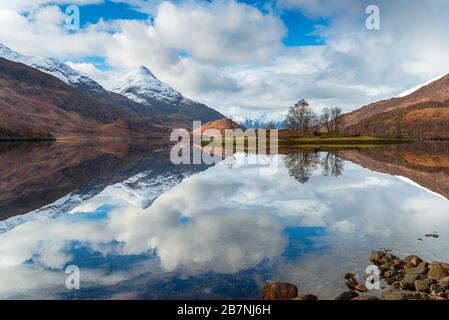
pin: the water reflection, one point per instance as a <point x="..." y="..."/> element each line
<point x="224" y="231"/>
<point x="301" y="165"/>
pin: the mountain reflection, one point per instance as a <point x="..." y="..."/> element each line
<point x="146" y="228"/>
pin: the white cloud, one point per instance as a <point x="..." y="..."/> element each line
<point x="230" y="55"/>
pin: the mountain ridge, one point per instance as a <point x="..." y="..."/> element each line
<point x="155" y="101"/>
<point x="422" y="112"/>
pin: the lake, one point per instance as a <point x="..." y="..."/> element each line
<point x="139" y="227"/>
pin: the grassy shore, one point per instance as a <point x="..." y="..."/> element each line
<point x="293" y="141"/>
<point x="340" y="141"/>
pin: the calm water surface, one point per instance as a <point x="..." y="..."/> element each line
<point x="139" y="227"/>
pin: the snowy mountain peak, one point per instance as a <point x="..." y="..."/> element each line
<point x="11" y="55"/>
<point x="145" y="72"/>
<point x="53" y="67"/>
<point x="143" y="87"/>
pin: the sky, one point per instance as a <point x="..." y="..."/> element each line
<point x="245" y="58"/>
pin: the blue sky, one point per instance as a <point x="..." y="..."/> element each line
<point x="300" y="28"/>
<point x="245" y="58"/>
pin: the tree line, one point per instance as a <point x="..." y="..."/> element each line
<point x="301" y="117"/>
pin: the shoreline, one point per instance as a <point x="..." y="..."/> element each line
<point x="410" y="278"/>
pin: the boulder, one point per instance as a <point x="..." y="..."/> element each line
<point x="376" y="256"/>
<point x="423" y="285"/>
<point x="414" y="260"/>
<point x="408" y="283"/>
<point x="421" y="269"/>
<point x="443" y="284"/>
<point x="361" y="287"/>
<point x="306" y="297"/>
<point x="349" y="276"/>
<point x="438" y="270"/>
<point x="435" y="289"/>
<point x="347" y="295"/>
<point x="365" y="298"/>
<point x="351" y="283"/>
<point x="279" y="291"/>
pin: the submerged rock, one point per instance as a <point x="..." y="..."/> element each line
<point x="279" y="291"/>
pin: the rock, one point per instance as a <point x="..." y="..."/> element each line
<point x="423" y="285"/>
<point x="408" y="283"/>
<point x="351" y="283"/>
<point x="438" y="270"/>
<point x="421" y="269"/>
<point x="442" y="295"/>
<point x="279" y="291"/>
<point x="432" y="235"/>
<point x="435" y="289"/>
<point x="409" y="259"/>
<point x="365" y="298"/>
<point x="412" y="261"/>
<point x="443" y="284"/>
<point x="376" y="256"/>
<point x="397" y="262"/>
<point x="394" y="294"/>
<point x="388" y="258"/>
<point x="349" y="276"/>
<point x="361" y="287"/>
<point x="306" y="297"/>
<point x="390" y="273"/>
<point x="347" y="295"/>
<point x="396" y="285"/>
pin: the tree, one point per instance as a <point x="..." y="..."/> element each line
<point x="336" y="120"/>
<point x="326" y="118"/>
<point x="300" y="117"/>
<point x="270" y="125"/>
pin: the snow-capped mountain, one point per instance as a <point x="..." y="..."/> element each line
<point x="55" y="68"/>
<point x="139" y="93"/>
<point x="143" y="87"/>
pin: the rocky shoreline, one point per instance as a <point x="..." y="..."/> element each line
<point x="410" y="278"/>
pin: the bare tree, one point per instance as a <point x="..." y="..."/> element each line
<point x="335" y="114"/>
<point x="270" y="125"/>
<point x="326" y="118"/>
<point x="300" y="117"/>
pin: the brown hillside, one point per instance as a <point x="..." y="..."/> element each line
<point x="34" y="105"/>
<point x="423" y="112"/>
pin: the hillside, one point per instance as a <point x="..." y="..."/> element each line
<point x="138" y="93"/>
<point x="424" y="112"/>
<point x="34" y="104"/>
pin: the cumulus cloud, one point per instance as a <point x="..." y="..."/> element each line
<point x="231" y="55"/>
